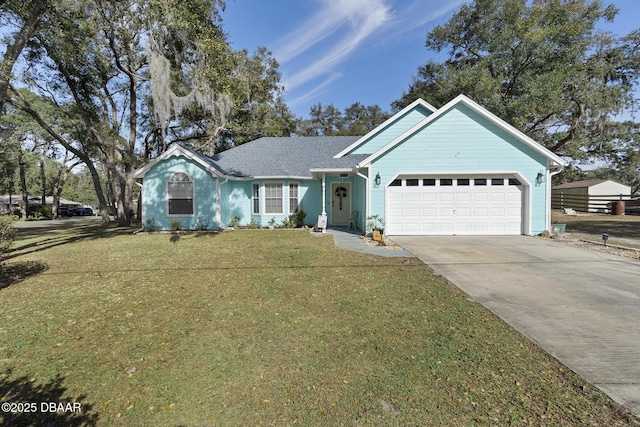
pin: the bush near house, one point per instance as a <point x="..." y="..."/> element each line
<point x="7" y="233"/>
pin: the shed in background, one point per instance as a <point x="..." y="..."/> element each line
<point x="595" y="195"/>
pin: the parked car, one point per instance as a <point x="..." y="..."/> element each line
<point x="83" y="211"/>
<point x="65" y="211"/>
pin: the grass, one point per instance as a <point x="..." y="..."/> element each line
<point x="263" y="327"/>
<point x="623" y="230"/>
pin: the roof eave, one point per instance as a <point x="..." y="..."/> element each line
<point x="478" y="109"/>
<point x="386" y="123"/>
<point x="175" y="151"/>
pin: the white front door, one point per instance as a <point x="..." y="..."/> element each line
<point x="340" y="202"/>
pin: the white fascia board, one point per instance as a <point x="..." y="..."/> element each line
<point x="175" y="151"/>
<point x="387" y="122"/>
<point x="478" y="109"/>
<point x="281" y="177"/>
<point x="509" y="129"/>
<point x="331" y="170"/>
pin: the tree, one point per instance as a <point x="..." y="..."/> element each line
<point x="98" y="65"/>
<point x="29" y="15"/>
<point x="541" y="66"/>
<point x="258" y="107"/>
<point x="329" y="121"/>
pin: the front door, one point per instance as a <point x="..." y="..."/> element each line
<point x="340" y="202"/>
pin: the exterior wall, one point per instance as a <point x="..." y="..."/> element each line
<point x="393" y="130"/>
<point x="236" y="199"/>
<point x="356" y="198"/>
<point x="155" y="195"/>
<point x="609" y="188"/>
<point x="591" y="199"/>
<point x="581" y="205"/>
<point x="462" y="141"/>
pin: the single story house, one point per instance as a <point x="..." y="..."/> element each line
<point x="456" y="170"/>
<point x="593" y="195"/>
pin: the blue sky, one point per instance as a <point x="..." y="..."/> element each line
<point x="344" y="51"/>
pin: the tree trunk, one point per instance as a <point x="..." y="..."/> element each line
<point x="43" y="183"/>
<point x="24" y="206"/>
<point x="102" y="201"/>
<point x="13" y="50"/>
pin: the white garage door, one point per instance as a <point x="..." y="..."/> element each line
<point x="454" y="205"/>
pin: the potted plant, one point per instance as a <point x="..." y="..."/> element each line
<point x="375" y="227"/>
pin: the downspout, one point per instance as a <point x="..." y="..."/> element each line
<point x="367" y="198"/>
<point x="558" y="169"/>
<point x="324" y="191"/>
<point x="144" y="209"/>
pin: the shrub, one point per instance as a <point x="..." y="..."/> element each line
<point x="289" y="222"/>
<point x="300" y="215"/>
<point x="175" y="225"/>
<point x="234" y="221"/>
<point x="374" y="222"/>
<point x="253" y="224"/>
<point x="151" y="225"/>
<point x="199" y="224"/>
<point x="7" y="233"/>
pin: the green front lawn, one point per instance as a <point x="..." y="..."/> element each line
<point x="263" y="327"/>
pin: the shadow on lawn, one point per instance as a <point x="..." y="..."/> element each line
<point x="60" y="234"/>
<point x="19" y="271"/>
<point x="42" y="404"/>
<point x="622" y="229"/>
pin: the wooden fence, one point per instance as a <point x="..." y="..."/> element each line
<point x="597" y="204"/>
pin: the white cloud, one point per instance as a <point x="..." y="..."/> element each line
<point x="338" y="29"/>
<point x="348" y="22"/>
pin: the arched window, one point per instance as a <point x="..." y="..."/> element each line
<point x="180" y="194"/>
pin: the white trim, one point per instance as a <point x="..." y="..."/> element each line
<point x="367" y="194"/>
<point x="386" y="123"/>
<point x="264" y="197"/>
<point x="297" y="184"/>
<point x="176" y="151"/>
<point x="324" y="194"/>
<point x="256" y="184"/>
<point x="478" y="109"/>
<point x="193" y="196"/>
<point x="277" y="178"/>
<point x="330" y="170"/>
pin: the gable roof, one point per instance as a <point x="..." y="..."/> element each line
<point x="462" y="99"/>
<point x="587" y="183"/>
<point x="286" y="156"/>
<point x="418" y="102"/>
<point x="177" y="150"/>
<point x="270" y="157"/>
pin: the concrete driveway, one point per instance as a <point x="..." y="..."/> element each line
<point x="583" y="307"/>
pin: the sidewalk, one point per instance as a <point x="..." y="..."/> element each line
<point x="342" y="239"/>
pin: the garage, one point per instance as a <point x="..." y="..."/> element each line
<point x="455" y="205"/>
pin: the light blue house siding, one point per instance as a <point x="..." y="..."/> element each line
<point x="239" y="194"/>
<point x="462" y="141"/>
<point x="356" y="198"/>
<point x="396" y="128"/>
<point x="155" y="207"/>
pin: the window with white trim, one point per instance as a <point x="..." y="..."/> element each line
<point x="273" y="198"/>
<point x="293" y="197"/>
<point x="180" y="194"/>
<point x="255" y="199"/>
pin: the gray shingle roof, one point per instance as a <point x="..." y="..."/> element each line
<point x="286" y="156"/>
